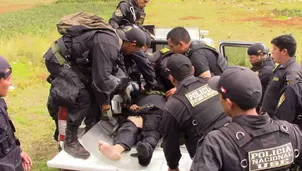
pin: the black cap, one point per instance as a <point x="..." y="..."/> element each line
<point x="179" y="66"/>
<point x="132" y="33"/>
<point x="4" y="65"/>
<point x="256" y="49"/>
<point x="240" y="84"/>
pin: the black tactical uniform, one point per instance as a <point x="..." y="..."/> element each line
<point x="289" y="107"/>
<point x="193" y="110"/>
<point x="137" y="64"/>
<point x="81" y="69"/>
<point x="159" y="61"/>
<point x="205" y="58"/>
<point x="10" y="152"/>
<point x="126" y="12"/>
<point x="264" y="70"/>
<point x="128" y="134"/>
<point x="147" y="137"/>
<point x="271" y="144"/>
<point x="250" y="141"/>
<point x="282" y="75"/>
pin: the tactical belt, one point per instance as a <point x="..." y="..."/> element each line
<point x="154" y="92"/>
<point x="142" y="110"/>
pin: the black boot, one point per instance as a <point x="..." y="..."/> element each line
<point x="145" y="152"/>
<point x="72" y="146"/>
<point x="89" y="126"/>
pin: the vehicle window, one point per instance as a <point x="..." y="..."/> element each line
<point x="237" y="55"/>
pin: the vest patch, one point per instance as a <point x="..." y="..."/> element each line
<point x="271" y="157"/>
<point x="164" y="50"/>
<point x="200" y="95"/>
<point x="276" y="79"/>
<point x="281" y="100"/>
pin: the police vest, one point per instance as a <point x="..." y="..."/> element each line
<point x="221" y="61"/>
<point x="202" y="102"/>
<point x="160" y="68"/>
<point x="132" y="69"/>
<point x="161" y="63"/>
<point x="8" y="141"/>
<point x="137" y="15"/>
<point x="267" y="148"/>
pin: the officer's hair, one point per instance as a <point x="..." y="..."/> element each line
<point x="243" y="106"/>
<point x="287" y="42"/>
<point x="178" y="34"/>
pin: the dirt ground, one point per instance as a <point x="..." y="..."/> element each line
<point x="269" y="21"/>
<point x="11" y="8"/>
<point x="15" y="5"/>
<point x="191" y="18"/>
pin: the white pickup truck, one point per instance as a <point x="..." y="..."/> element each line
<point x="235" y="52"/>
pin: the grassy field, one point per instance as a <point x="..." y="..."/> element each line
<point x="27" y="29"/>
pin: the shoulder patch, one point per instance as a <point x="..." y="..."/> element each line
<point x="200" y="95"/>
<point x="281" y="100"/>
<point x="270" y="158"/>
<point x="164" y="50"/>
<point x="118" y="12"/>
<point x="276" y="79"/>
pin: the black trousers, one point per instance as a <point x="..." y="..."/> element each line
<point x="85" y="105"/>
<point x="128" y="134"/>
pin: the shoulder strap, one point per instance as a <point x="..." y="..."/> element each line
<point x="238" y="137"/>
<point x="236" y="133"/>
<point x="163" y="55"/>
<point x="197" y="46"/>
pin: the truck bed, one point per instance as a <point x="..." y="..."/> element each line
<point x="98" y="162"/>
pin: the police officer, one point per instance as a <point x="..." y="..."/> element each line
<point x="129" y="11"/>
<point x="193" y="110"/>
<point x="12" y="158"/>
<point x="284" y="49"/>
<point x="250" y="141"/>
<point x="138" y="64"/>
<point x="289" y="107"/>
<point x="81" y="71"/>
<point x="140" y="128"/>
<point x="159" y="60"/>
<point x="262" y="64"/>
<point x="205" y="59"/>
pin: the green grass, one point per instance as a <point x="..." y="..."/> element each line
<point x="288" y="12"/>
<point x="224" y="18"/>
<point x="22" y="2"/>
<point x="24" y="38"/>
<point x="26" y="35"/>
<point x="42" y="19"/>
